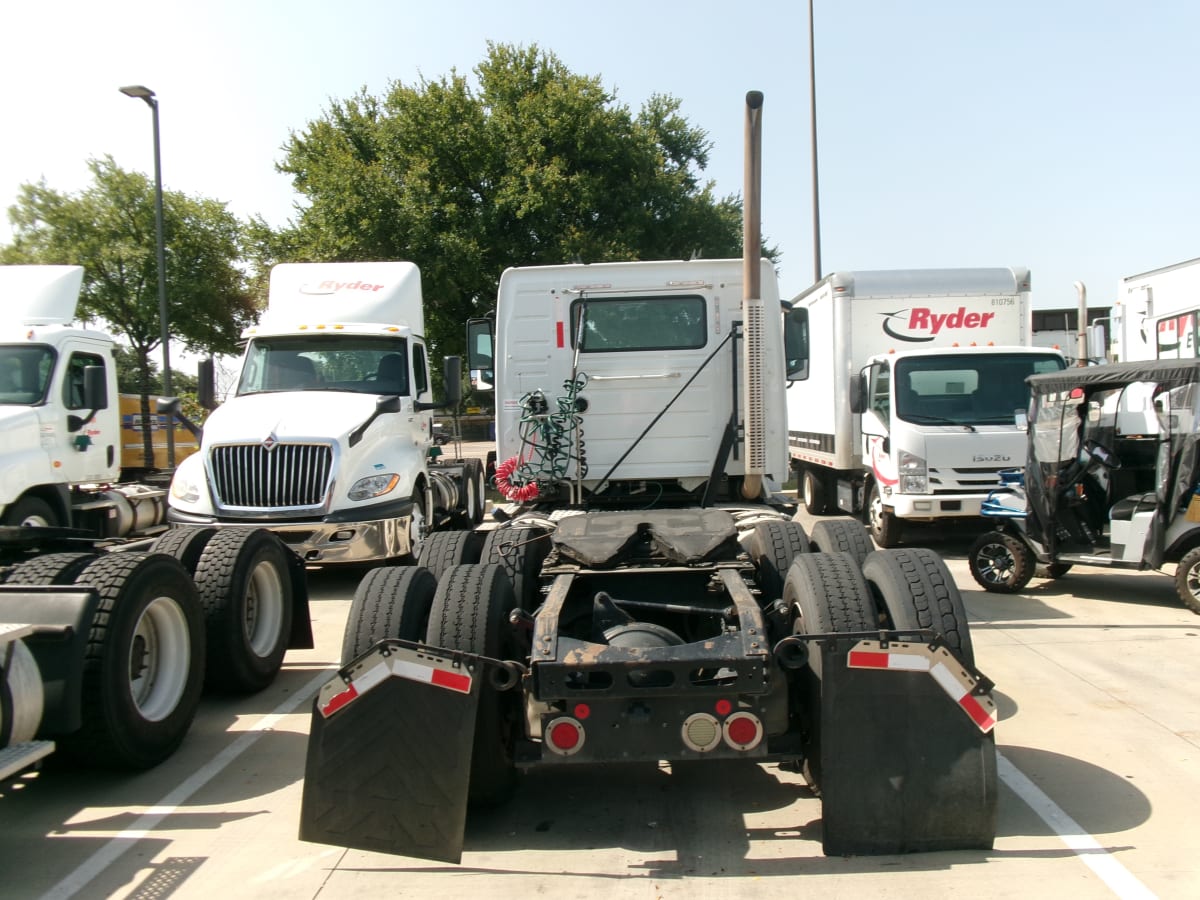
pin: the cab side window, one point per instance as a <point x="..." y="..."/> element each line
<point x="73" y="397"/>
<point x="880" y="399"/>
<point x="420" y="370"/>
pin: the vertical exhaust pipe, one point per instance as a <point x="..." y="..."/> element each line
<point x="752" y="305"/>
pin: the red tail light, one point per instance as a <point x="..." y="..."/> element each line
<point x="564" y="736"/>
<point x="743" y="731"/>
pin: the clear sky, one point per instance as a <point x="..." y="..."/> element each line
<point x="1060" y="135"/>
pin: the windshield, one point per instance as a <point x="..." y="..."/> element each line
<point x="969" y="388"/>
<point x="355" y="363"/>
<point x="25" y="371"/>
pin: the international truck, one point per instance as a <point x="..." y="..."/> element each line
<point x="906" y="392"/>
<point x="113" y="621"/>
<point x="1156" y="314"/>
<point x="645" y="593"/>
<point x="328" y="439"/>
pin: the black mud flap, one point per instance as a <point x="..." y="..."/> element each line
<point x="907" y="749"/>
<point x="389" y="753"/>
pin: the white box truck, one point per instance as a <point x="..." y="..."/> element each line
<point x="906" y="390"/>
<point x="328" y="438"/>
<point x="1156" y="314"/>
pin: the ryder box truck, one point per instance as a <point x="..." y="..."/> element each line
<point x="907" y="390"/>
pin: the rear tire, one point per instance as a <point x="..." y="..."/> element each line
<point x="473" y="488"/>
<point x="390" y="602"/>
<point x="1000" y="563"/>
<point x="828" y="594"/>
<point x="519" y="551"/>
<point x="245" y="588"/>
<point x="53" y="568"/>
<point x="186" y="543"/>
<point x="773" y="546"/>
<point x="470" y="613"/>
<point x="813" y="489"/>
<point x="842" y="535"/>
<point x="1187" y="580"/>
<point x="917" y="591"/>
<point x="445" y="549"/>
<point x="143" y="669"/>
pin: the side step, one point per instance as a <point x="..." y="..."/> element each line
<point x="17" y="758"/>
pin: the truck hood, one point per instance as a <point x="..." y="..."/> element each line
<point x="18" y="418"/>
<point x="288" y="416"/>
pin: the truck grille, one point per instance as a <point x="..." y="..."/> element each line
<point x="288" y="475"/>
<point x="965" y="481"/>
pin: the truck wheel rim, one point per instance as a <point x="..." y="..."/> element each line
<point x="159" y="659"/>
<point x="472" y="497"/>
<point x="996" y="563"/>
<point x="264" y="609"/>
<point x="35" y="521"/>
<point x="1192" y="581"/>
<point x="416" y="529"/>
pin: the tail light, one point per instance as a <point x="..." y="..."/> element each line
<point x="743" y="731"/>
<point x="701" y="732"/>
<point x="564" y="735"/>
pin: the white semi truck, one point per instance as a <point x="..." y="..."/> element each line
<point x="905" y="391"/>
<point x="646" y="594"/>
<point x="328" y="439"/>
<point x="111" y="622"/>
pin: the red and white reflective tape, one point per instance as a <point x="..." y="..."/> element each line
<point x="919" y="658"/>
<point x="394" y="666"/>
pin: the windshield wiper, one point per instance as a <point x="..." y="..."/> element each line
<point x="926" y="419"/>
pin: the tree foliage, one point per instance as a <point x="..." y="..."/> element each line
<point x="109" y="229"/>
<point x="530" y="165"/>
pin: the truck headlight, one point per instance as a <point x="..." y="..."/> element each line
<point x="373" y="486"/>
<point x="184" y="488"/>
<point x="914" y="474"/>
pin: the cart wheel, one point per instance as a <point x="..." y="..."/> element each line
<point x="1001" y="563"/>
<point x="1187" y="580"/>
<point x="143" y="669"/>
<point x="470" y="613"/>
<point x="245" y="589"/>
<point x="445" y="549"/>
<point x="773" y="546"/>
<point x="884" y="526"/>
<point x="390" y="602"/>
<point x="917" y="591"/>
<point x="827" y="593"/>
<point x="842" y="535"/>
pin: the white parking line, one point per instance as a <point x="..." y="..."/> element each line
<point x="112" y="851"/>
<point x="1118" y="879"/>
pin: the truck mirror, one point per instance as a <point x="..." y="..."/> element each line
<point x="206" y="384"/>
<point x="858" y="394"/>
<point x="452" y="380"/>
<point x="795" y="343"/>
<point x="95" y="388"/>
<point x="481" y="353"/>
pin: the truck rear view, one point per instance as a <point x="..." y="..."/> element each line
<point x="635" y="603"/>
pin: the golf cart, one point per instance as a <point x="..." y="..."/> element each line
<point x="1111" y="479"/>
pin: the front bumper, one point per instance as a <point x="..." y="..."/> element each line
<point x="936" y="506"/>
<point x="324" y="541"/>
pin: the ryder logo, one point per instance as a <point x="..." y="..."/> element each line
<point x="332" y="287"/>
<point x="919" y="324"/>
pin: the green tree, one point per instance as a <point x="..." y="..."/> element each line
<point x="535" y="165"/>
<point x="109" y="229"/>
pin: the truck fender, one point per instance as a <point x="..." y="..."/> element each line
<point x="301" y="637"/>
<point x="65" y="616"/>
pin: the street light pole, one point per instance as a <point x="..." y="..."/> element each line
<point x="144" y="93"/>
<point x="812" y="102"/>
